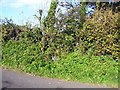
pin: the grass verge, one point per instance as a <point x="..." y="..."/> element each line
<point x="73" y="67"/>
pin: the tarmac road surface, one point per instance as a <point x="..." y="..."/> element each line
<point x="15" y="79"/>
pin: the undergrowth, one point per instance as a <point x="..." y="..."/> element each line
<point x="73" y="66"/>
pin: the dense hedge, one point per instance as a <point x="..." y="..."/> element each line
<point x="98" y="34"/>
<point x="87" y="52"/>
<point x="73" y="66"/>
<point x="101" y="33"/>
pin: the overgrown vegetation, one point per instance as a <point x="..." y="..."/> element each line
<point x="101" y="34"/>
<point x="71" y="47"/>
<point x="73" y="66"/>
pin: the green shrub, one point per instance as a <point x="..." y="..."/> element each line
<point x="34" y="35"/>
<point x="101" y="33"/>
<point x="9" y="30"/>
<point x="73" y="66"/>
<point x="54" y="54"/>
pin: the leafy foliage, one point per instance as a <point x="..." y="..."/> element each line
<point x="101" y="33"/>
<point x="9" y="30"/>
<point x="72" y="66"/>
<point x="70" y="45"/>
